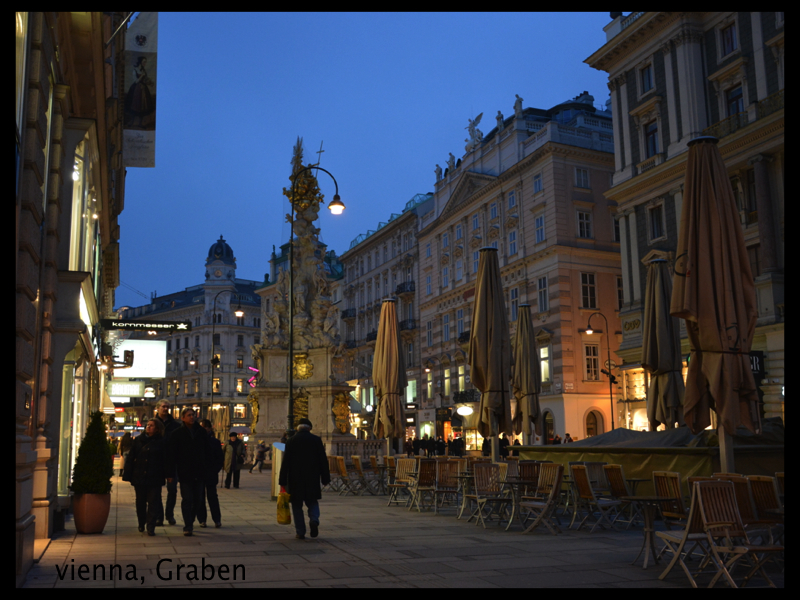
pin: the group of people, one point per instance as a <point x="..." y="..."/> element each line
<point x="434" y="447"/>
<point x="181" y="452"/>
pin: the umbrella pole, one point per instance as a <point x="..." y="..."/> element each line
<point x="496" y="448"/>
<point x="725" y="449"/>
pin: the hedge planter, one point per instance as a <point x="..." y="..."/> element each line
<point x="91" y="512"/>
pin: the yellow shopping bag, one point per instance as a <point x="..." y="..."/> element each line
<point x="284" y="510"/>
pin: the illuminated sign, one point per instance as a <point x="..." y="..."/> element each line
<point x="160" y="326"/>
<point x="129" y="389"/>
<point x="252" y="380"/>
<point x="150" y="358"/>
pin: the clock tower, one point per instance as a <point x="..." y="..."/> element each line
<point x="220" y="275"/>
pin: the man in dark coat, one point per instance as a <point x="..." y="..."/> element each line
<point x="144" y="469"/>
<point x="304" y="465"/>
<point x="504" y="443"/>
<point x="187" y="455"/>
<point x="170" y="425"/>
<point x="214" y="466"/>
<point x="416" y="445"/>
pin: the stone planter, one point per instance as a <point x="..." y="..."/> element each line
<point x="91" y="512"/>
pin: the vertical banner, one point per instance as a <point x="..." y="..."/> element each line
<point x="141" y="67"/>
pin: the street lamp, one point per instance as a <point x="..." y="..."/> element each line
<point x="214" y="360"/>
<point x="611" y="378"/>
<point x="336" y="207"/>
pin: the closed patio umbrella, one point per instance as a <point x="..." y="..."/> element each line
<point x="713" y="291"/>
<point x="526" y="380"/>
<point x="490" y="350"/>
<point x="661" y="350"/>
<point x="389" y="376"/>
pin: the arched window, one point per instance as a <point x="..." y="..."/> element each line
<point x="549" y="428"/>
<point x="594" y="424"/>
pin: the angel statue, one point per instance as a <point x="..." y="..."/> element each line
<point x="475" y="134"/>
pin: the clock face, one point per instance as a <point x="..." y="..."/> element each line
<point x="218" y="273"/>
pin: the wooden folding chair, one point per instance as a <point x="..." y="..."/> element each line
<point x="350" y="484"/>
<point x="336" y="478"/>
<point x="424" y="484"/>
<point x="542" y="509"/>
<point x="727" y="538"/>
<point x="668" y="484"/>
<point x="529" y="471"/>
<point x="597" y="476"/>
<point x="487" y="493"/>
<point x="446" y="483"/>
<point x="590" y="501"/>
<point x="391" y="466"/>
<point x="366" y="482"/>
<point x="755" y="525"/>
<point x="402" y="482"/>
<point x="618" y="488"/>
<point x="764" y="491"/>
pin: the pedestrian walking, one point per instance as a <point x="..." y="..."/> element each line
<point x="144" y="469"/>
<point x="409" y="447"/>
<point x="170" y="425"/>
<point x="125" y="445"/>
<point x="440" y="446"/>
<point x="557" y="439"/>
<point x="214" y="466"/>
<point x="304" y="467"/>
<point x="234" y="459"/>
<point x="261" y="456"/>
<point x="187" y="456"/>
<point x="416" y="445"/>
<point x="504" y="443"/>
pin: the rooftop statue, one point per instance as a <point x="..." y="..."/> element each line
<point x="475" y="134"/>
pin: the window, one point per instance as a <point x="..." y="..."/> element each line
<point x="215" y="384"/>
<point x="429" y="387"/>
<point x="728" y="39"/>
<point x="169" y="345"/>
<point x="620" y="294"/>
<point x="445" y="240"/>
<point x="196" y="384"/>
<point x="512" y="199"/>
<point x="734" y="101"/>
<point x="539" y="225"/>
<point x="215" y="342"/>
<point x="462" y="378"/>
<point x="512" y="242"/>
<point x="410" y="354"/>
<point x="581" y="178"/>
<point x="239" y="411"/>
<point x="428" y="285"/>
<point x="429" y="334"/>
<point x="544" y="305"/>
<point x="655" y="215"/>
<point x="459" y="270"/>
<point x="445" y="277"/>
<point x="256" y="339"/>
<point x="493" y="210"/>
<point x="185" y="363"/>
<point x="651" y="138"/>
<point x="588" y="291"/>
<point x="197" y="341"/>
<point x="459" y="232"/>
<point x="447" y="382"/>
<point x="646" y="75"/>
<point x="475" y="258"/>
<point x="544" y="363"/>
<point x="592" y="354"/>
<point x="476" y="222"/>
<point x="494" y="244"/>
<point x="460" y="321"/>
<point x="240" y="385"/>
<point x="617" y="235"/>
<point x="514" y="296"/>
<point x="584" y="224"/>
<point x="240" y="362"/>
<point x="240" y="340"/>
<point x="537" y="183"/>
<point x="446" y="327"/>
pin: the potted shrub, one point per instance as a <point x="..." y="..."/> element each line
<point x="91" y="479"/>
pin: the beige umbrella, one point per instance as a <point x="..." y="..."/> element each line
<point x="661" y="350"/>
<point x="389" y="376"/>
<point x="713" y="292"/>
<point x="526" y="381"/>
<point x="490" y="350"/>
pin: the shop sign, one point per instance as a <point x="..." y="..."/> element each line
<point x="160" y="326"/>
<point x="128" y="389"/>
<point x="757" y="365"/>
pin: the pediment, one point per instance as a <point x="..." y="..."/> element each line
<point x="470" y="184"/>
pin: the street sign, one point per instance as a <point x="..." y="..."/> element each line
<point x="610" y="364"/>
<point x="161" y="326"/>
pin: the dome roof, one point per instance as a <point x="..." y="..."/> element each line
<point x="220" y="250"/>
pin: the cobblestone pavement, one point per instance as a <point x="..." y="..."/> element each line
<point x="362" y="543"/>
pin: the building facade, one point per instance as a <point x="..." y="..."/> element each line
<point x="673" y="77"/>
<point x="216" y="332"/>
<point x="534" y="189"/>
<point x="70" y="189"/>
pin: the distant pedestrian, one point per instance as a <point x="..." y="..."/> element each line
<point x="234" y="459"/>
<point x="557" y="439"/>
<point x="504" y="443"/>
<point x="187" y="455"/>
<point x="170" y="425"/>
<point x="261" y="456"/>
<point x="486" y="447"/>
<point x="304" y="467"/>
<point x="440" y="446"/>
<point x="567" y="438"/>
<point x="409" y="447"/>
<point x="513" y="451"/>
<point x="144" y="469"/>
<point x="215" y="460"/>
<point x="416" y="445"/>
<point x="125" y="445"/>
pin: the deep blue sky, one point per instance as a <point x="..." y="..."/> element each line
<point x="390" y="94"/>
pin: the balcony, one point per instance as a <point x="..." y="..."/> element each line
<point x="408" y="325"/>
<point x="350" y="344"/>
<point x="651" y="162"/>
<point x="727" y="126"/>
<point x="770" y="104"/>
<point x="372" y="336"/>
<point x="407" y="287"/>
<point x="466" y="396"/>
<point x="349" y="313"/>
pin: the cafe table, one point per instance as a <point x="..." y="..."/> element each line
<point x="464" y="482"/>
<point x="516" y="484"/>
<point x="649" y="505"/>
<point x="634" y="483"/>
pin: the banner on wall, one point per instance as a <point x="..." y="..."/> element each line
<point x="141" y="69"/>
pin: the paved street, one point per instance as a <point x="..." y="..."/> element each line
<point x="362" y="543"/>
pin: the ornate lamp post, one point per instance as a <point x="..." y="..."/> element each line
<point x="611" y="378"/>
<point x="214" y="360"/>
<point x="336" y="207"/>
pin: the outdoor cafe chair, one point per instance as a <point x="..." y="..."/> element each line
<point x="446" y="483"/>
<point x="402" y="482"/>
<point x="765" y="497"/>
<point x="350" y="483"/>
<point x="753" y="522"/>
<point x="619" y="488"/>
<point x="728" y="540"/>
<point x="723" y="475"/>
<point x="586" y="499"/>
<point x="597" y="476"/>
<point x="487" y="493"/>
<point x="668" y="485"/>
<point x="423" y="484"/>
<point x="366" y="482"/>
<point x="336" y="478"/>
<point x="529" y="471"/>
<point x="542" y="509"/>
<point x="391" y="465"/>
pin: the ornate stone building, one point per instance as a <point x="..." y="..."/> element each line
<point x="70" y="189"/>
<point x="532" y="188"/>
<point x="673" y="77"/>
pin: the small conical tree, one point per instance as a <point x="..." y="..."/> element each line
<point x="93" y="467"/>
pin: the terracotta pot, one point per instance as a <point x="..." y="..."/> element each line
<point x="91" y="512"/>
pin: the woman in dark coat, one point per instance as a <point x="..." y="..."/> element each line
<point x="440" y="446"/>
<point x="144" y="469"/>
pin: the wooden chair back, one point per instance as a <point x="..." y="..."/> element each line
<point x="550" y="477"/>
<point x="724" y="475"/>
<point x="333" y="466"/>
<point x="529" y="470"/>
<point x="373" y="462"/>
<point x="718" y="510"/>
<point x="405" y="466"/>
<point x="356" y="459"/>
<point x="580" y="476"/>
<point x="342" y="468"/>
<point x="426" y="476"/>
<point x="765" y="495"/>
<point x="502" y="468"/>
<point x="446" y="475"/>
<point x="597" y="475"/>
<point x="461" y="465"/>
<point x="744" y="498"/>
<point x="513" y="468"/>
<point x="616" y="481"/>
<point x="668" y="484"/>
<point x="487" y="478"/>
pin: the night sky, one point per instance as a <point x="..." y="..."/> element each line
<point x="388" y="95"/>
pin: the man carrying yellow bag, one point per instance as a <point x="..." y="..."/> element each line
<point x="284" y="512"/>
<point x="304" y="466"/>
